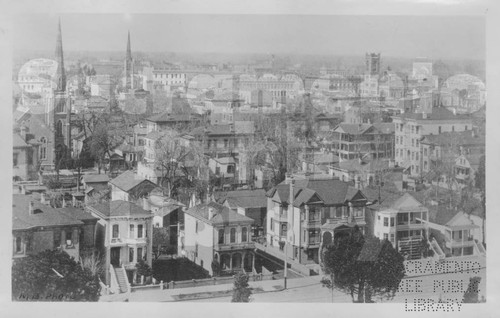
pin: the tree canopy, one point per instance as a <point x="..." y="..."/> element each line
<point x="52" y="275"/>
<point x="365" y="267"/>
<point x="241" y="289"/>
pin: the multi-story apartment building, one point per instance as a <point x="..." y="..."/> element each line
<point x="411" y="127"/>
<point x="321" y="210"/>
<point x="213" y="232"/>
<point x="165" y="79"/>
<point x="402" y="222"/>
<point x="352" y="141"/>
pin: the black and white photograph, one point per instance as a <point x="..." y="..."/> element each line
<point x="283" y="156"/>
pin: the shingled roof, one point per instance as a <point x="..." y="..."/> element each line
<point x="329" y="191"/>
<point x="247" y="198"/>
<point x="222" y="214"/>
<point x="45" y="216"/>
<point x="119" y="208"/>
<point x="128" y="180"/>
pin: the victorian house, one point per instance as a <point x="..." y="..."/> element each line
<point x="213" y="232"/>
<point x="318" y="211"/>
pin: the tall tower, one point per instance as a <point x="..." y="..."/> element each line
<point x="62" y="110"/>
<point x="372" y="63"/>
<point x="128" y="65"/>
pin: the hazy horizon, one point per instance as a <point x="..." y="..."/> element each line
<point x="433" y="37"/>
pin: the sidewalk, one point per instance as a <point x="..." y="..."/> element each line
<point x="205" y="292"/>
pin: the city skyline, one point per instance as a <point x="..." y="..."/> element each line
<point x="395" y="36"/>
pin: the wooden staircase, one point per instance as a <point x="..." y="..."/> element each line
<point x="122" y="279"/>
<point x="411" y="247"/>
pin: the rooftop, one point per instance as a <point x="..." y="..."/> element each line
<point x="221" y="214"/>
<point x="119" y="208"/>
<point x="93" y="178"/>
<point x="44" y="215"/>
<point x="128" y="180"/>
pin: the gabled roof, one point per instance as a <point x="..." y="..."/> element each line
<point x="246" y="198"/>
<point x="330" y="191"/>
<point x="353" y="129"/>
<point x="166" y="117"/>
<point x="222" y="214"/>
<point x="407" y="201"/>
<point x="93" y="178"/>
<point x="120" y="208"/>
<point x="18" y="142"/>
<point x="48" y="216"/>
<point x="129" y="180"/>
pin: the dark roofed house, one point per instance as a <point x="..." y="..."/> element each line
<point x="215" y="232"/>
<point x="322" y="210"/>
<point x="96" y="182"/>
<point x="129" y="186"/>
<point x="37" y="227"/>
<point x="251" y="203"/>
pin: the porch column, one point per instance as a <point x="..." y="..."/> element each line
<point x="253" y="261"/>
<point x="231" y="261"/>
<point x="307" y="213"/>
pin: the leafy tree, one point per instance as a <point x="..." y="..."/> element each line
<point x="103" y="141"/>
<point x="216" y="268"/>
<point x="53" y="275"/>
<point x="363" y="267"/>
<point x="160" y="238"/>
<point x="471" y="294"/>
<point x="143" y="269"/>
<point x="241" y="289"/>
<point x="182" y="165"/>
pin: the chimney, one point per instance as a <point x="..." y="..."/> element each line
<point x="211" y="212"/>
<point x="31" y="207"/>
<point x="23" y="132"/>
<point x="357" y="182"/>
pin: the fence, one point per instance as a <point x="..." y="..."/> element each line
<point x="202" y="282"/>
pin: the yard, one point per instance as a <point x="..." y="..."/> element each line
<point x="177" y="269"/>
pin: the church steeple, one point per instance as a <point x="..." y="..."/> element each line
<point x="60" y="74"/>
<point x="129" y="51"/>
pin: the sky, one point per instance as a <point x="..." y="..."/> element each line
<point x="397" y="36"/>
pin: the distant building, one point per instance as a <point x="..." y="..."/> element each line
<point x="25" y="157"/>
<point x="372" y="63"/>
<point x="411" y="127"/>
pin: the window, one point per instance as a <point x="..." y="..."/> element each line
<point x="139" y="230"/>
<point x="196" y="226"/>
<point x="226" y="143"/>
<point x="43" y="148"/>
<point x="19" y="246"/>
<point x="425" y="152"/>
<point x="439" y="129"/>
<point x="69" y="241"/>
<point x="386" y="236"/>
<point x="232" y="237"/>
<point x="244" y="234"/>
<point x="452" y="128"/>
<point x="283" y="229"/>
<point x="392" y="237"/>
<point x="132" y="230"/>
<point x="230" y="169"/>
<point x="272" y="224"/>
<point x="338" y="212"/>
<point x="416" y="156"/>
<point x="392" y="221"/>
<point x="386" y="221"/>
<point x="115" y="231"/>
<point x="466" y="127"/>
<point x="130" y="254"/>
<point x="196" y="250"/>
<point x="15" y="159"/>
<point x="378" y="217"/>
<point x="221" y="236"/>
<point x="139" y="254"/>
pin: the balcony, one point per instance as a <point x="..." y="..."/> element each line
<point x="456" y="243"/>
<point x="313" y="241"/>
<point x="234" y="246"/>
<point x="311" y="223"/>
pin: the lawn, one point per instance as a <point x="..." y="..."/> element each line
<point x="178" y="269"/>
